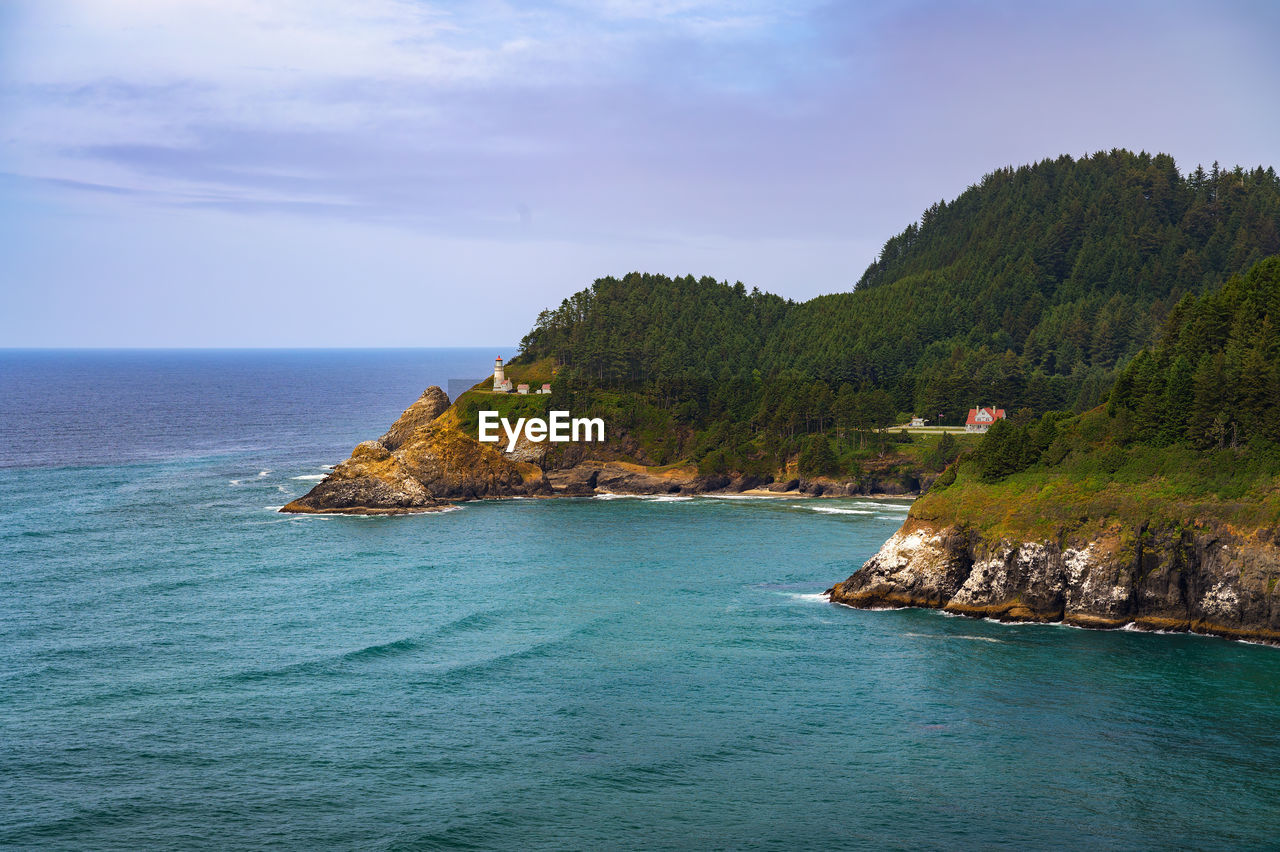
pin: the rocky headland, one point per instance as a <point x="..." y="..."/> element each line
<point x="422" y="463"/>
<point x="1208" y="578"/>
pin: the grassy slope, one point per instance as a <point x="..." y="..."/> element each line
<point x="1099" y="483"/>
<point x="464" y="413"/>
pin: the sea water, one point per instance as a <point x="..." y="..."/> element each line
<point x="181" y="667"/>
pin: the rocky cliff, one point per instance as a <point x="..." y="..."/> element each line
<point x="1208" y="579"/>
<point x="422" y="463"/>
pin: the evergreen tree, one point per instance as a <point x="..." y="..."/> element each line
<point x="817" y="458"/>
<point x="1035" y="288"/>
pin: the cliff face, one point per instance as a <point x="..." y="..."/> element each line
<point x="421" y="463"/>
<point x="1206" y="580"/>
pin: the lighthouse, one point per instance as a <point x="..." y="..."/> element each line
<point x="501" y="384"/>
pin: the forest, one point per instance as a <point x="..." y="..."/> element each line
<point x="1037" y="289"/>
<point x="1208" y="390"/>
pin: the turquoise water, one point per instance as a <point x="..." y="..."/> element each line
<point x="181" y="667"/>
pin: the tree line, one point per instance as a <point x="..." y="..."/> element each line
<point x="1212" y="382"/>
<point x="1034" y="289"/>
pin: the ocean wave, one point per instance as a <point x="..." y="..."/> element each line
<point x="312" y="477"/>
<point x="263" y="473"/>
<point x="329" y="516"/>
<point x="479" y="620"/>
<point x="1132" y="627"/>
<point x="876" y="608"/>
<point x="648" y="498"/>
<point x="811" y="597"/>
<point x="833" y="510"/>
<point x="383" y="649"/>
<point x="329" y="663"/>
<point x="955" y="636"/>
<point x="483" y="668"/>
<point x="749" y="496"/>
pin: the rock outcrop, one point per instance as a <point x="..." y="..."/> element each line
<point x="590" y="477"/>
<point x="429" y="406"/>
<point x="1206" y="580"/>
<point x="420" y="464"/>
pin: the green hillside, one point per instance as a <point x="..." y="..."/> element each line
<point x="1191" y="432"/>
<point x="1030" y="287"/>
<point x="1028" y="291"/>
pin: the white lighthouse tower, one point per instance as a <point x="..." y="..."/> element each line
<point x="501" y="384"/>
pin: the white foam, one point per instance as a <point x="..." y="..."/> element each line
<point x="379" y="516"/>
<point x="327" y="466"/>
<point x="832" y="510"/>
<point x="236" y="481"/>
<point x="810" y="596"/>
<point x="263" y="473"/>
<point x="749" y="496"/>
<point x="1007" y="623"/>
<point x="1132" y="627"/>
<point x="273" y="508"/>
<point x="312" y="477"/>
<point x="283" y="490"/>
<point x="648" y="498"/>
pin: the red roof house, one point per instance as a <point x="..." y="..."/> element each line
<point x="980" y="419"/>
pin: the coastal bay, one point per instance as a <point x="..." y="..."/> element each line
<point x="574" y="672"/>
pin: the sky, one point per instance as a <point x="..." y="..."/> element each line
<point x="325" y="173"/>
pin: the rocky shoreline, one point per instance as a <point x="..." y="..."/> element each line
<point x="425" y="463"/>
<point x="1206" y="579"/>
<point x="1210" y="580"/>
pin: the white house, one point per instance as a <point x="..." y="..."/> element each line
<point x="980" y="419"/>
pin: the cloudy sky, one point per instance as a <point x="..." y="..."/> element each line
<point x="409" y="173"/>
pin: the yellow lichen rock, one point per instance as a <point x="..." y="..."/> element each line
<point x="421" y="463"/>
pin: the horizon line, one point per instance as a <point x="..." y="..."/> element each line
<point x="244" y="348"/>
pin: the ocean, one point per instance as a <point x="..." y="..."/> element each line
<point x="181" y="667"/>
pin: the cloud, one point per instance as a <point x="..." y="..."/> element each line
<point x="777" y="142"/>
<point x="390" y="109"/>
